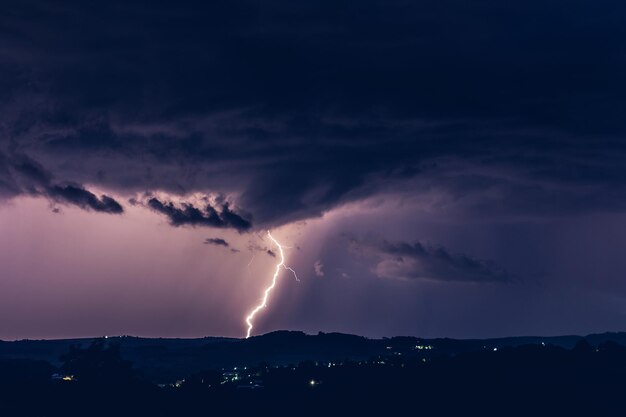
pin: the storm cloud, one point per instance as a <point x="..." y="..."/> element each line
<point x="216" y="241"/>
<point x="401" y="260"/>
<point x="84" y="199"/>
<point x="26" y="176"/>
<point x="300" y="109"/>
<point x="188" y="214"/>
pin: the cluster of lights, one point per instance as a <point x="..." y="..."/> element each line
<point x="423" y="347"/>
<point x="66" y="378"/>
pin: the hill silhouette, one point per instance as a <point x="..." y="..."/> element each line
<point x="289" y="373"/>
<point x="164" y="360"/>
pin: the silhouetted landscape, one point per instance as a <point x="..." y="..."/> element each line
<point x="291" y="373"/>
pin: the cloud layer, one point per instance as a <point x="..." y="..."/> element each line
<point x="216" y="241"/>
<point x="22" y="175"/>
<point x="188" y="214"/>
<point x="297" y="110"/>
<point x="401" y="260"/>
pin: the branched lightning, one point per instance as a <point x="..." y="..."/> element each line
<point x="268" y="290"/>
<point x="294" y="273"/>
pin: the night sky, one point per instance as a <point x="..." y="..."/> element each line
<point x="432" y="167"/>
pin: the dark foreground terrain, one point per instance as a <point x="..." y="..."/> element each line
<point x="293" y="374"/>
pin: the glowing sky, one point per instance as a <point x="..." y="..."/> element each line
<point x="435" y="168"/>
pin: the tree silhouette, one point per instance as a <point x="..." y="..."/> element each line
<point x="100" y="362"/>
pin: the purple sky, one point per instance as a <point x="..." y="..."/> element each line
<point x="77" y="273"/>
<point x="434" y="168"/>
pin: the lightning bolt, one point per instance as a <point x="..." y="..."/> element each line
<point x="250" y="263"/>
<point x="294" y="272"/>
<point x="280" y="265"/>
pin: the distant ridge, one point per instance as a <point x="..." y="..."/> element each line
<point x="164" y="359"/>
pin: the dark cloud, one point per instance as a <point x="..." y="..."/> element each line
<point x="402" y="260"/>
<point x="299" y="109"/>
<point x="233" y="219"/>
<point x="31" y="169"/>
<point x="30" y="177"/>
<point x="216" y="241"/>
<point x="220" y="242"/>
<point x="188" y="214"/>
<point x="271" y="253"/>
<point x="82" y="198"/>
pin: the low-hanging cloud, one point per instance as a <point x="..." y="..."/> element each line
<point x="27" y="176"/>
<point x="216" y="241"/>
<point x="188" y="214"/>
<point x="401" y="260"/>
